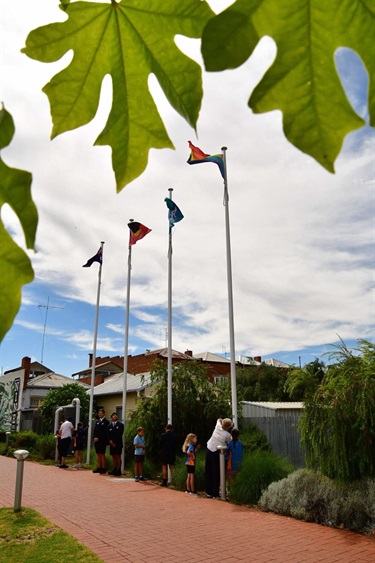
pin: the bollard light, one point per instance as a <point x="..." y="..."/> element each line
<point x="20" y="456"/>
<point x="7" y="434"/>
<point x="222" y="450"/>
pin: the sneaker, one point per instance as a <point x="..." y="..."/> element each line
<point x="113" y="472"/>
<point x="64" y="466"/>
<point x="102" y="471"/>
<point x="79" y="466"/>
<point x="143" y="478"/>
<point x="193" y="492"/>
<point x="118" y="472"/>
<point x="97" y="470"/>
<point x="136" y="479"/>
<point x="187" y="492"/>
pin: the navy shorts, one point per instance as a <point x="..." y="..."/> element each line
<point x="139" y="458"/>
<point x="100" y="447"/>
<point x="65" y="446"/>
<point x="190" y="468"/>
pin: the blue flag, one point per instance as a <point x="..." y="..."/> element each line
<point x="174" y="212"/>
<point x="96" y="258"/>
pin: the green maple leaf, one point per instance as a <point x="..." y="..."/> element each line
<point x="302" y="82"/>
<point x="128" y="40"/>
<point x="15" y="266"/>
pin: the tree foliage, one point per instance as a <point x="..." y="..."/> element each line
<point x="15" y="266"/>
<point x="338" y="422"/>
<point x="263" y="383"/>
<point x="303" y="382"/>
<point x="195" y="407"/>
<point x="303" y="81"/>
<point x="60" y="397"/>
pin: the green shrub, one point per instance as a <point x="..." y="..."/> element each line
<point x="46" y="446"/>
<point x="26" y="440"/>
<point x="253" y="439"/>
<point x="311" y="496"/>
<point x="258" y="470"/>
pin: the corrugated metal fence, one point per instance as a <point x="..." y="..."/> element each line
<point x="283" y="436"/>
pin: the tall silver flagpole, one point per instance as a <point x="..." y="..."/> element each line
<point x="169" y="380"/>
<point x="230" y="296"/>
<point x="126" y="344"/>
<point x="93" y="364"/>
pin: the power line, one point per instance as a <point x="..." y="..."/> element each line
<point x="46" y="307"/>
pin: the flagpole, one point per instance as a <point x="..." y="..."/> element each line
<point x="93" y="362"/>
<point x="169" y="380"/>
<point x="126" y="345"/>
<point x="230" y="296"/>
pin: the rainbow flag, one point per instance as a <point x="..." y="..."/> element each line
<point x="197" y="156"/>
<point x="137" y="231"/>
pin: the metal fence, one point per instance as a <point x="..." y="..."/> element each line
<point x="283" y="436"/>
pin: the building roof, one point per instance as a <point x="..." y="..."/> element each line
<point x="35" y="367"/>
<point x="210" y="357"/>
<point x="111" y="366"/>
<point x="275" y="405"/>
<point x="245" y="360"/>
<point x="163" y="352"/>
<point x="50" y="381"/>
<point x="114" y="383"/>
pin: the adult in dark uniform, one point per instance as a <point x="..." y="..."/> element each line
<point x="115" y="440"/>
<point x="101" y="441"/>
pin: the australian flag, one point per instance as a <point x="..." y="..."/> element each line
<point x="96" y="258"/>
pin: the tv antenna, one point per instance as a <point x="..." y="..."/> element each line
<point x="46" y="307"/>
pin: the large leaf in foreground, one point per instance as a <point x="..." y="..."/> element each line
<point x="15" y="266"/>
<point x="302" y="82"/>
<point x="128" y="40"/>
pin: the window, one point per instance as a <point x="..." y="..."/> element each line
<point x="35" y="401"/>
<point x="220" y="378"/>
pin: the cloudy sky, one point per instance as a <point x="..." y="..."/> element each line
<point x="302" y="238"/>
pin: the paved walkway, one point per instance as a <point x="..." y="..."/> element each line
<point x="127" y="522"/>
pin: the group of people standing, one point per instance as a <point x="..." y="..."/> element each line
<point x="110" y="432"/>
<point x="224" y="435"/>
<point x="64" y="435"/>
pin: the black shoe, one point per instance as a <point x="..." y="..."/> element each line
<point x="113" y="472"/>
<point x="118" y="472"/>
<point x="97" y="470"/>
<point x="142" y="479"/>
<point x="102" y="471"/>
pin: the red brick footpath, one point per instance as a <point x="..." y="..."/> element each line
<point x="127" y="522"/>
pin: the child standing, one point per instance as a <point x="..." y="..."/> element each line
<point x="234" y="455"/>
<point x="139" y="454"/>
<point x="189" y="448"/>
<point x="78" y="444"/>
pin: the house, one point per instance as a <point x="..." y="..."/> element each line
<point x="141" y="363"/>
<point x="104" y="367"/>
<point x="109" y="394"/>
<point x="21" y="392"/>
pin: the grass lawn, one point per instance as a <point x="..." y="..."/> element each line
<point x="29" y="537"/>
